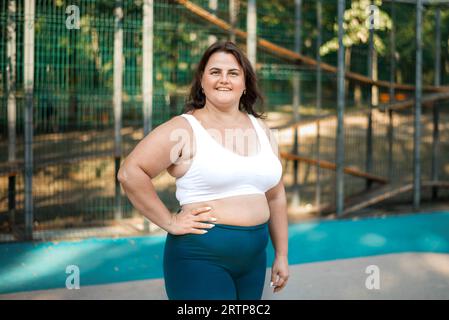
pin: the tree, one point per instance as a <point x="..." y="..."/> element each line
<point x="358" y="20"/>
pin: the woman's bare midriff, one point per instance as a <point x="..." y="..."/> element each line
<point x="244" y="210"/>
<point x="241" y="210"/>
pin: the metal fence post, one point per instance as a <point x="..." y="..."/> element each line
<point x="417" y="120"/>
<point x="234" y="7"/>
<point x="369" y="132"/>
<point x="436" y="133"/>
<point x="251" y="25"/>
<point x="340" y="143"/>
<point x="147" y="73"/>
<point x="295" y="202"/>
<point x="28" y="78"/>
<point x="318" y="103"/>
<point x="12" y="110"/>
<point x="118" y="83"/>
<point x="390" y="131"/>
<point x="213" y="6"/>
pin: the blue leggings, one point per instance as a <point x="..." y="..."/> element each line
<point x="226" y="263"/>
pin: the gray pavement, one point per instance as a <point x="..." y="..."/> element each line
<point x="400" y="276"/>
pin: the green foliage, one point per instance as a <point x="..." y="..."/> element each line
<point x="356" y="24"/>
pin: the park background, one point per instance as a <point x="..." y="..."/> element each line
<point x="96" y="76"/>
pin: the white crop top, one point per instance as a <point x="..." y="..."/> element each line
<point x="217" y="172"/>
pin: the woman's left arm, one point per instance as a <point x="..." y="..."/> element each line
<point x="278" y="225"/>
<point x="278" y="219"/>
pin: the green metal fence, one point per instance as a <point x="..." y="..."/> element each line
<point x="73" y="174"/>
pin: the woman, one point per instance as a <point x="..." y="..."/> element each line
<point x="229" y="186"/>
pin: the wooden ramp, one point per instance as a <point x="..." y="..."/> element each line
<point x="332" y="166"/>
<point x="427" y="102"/>
<point x="375" y="196"/>
<point x="378" y="194"/>
<point x="17" y="167"/>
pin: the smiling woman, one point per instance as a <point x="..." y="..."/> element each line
<point x="223" y="81"/>
<point x="228" y="184"/>
<point x="225" y="61"/>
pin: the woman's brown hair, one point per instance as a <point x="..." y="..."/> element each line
<point x="197" y="99"/>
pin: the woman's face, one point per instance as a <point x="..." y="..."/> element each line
<point x="223" y="80"/>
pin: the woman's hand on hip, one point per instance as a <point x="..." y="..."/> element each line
<point x="194" y="221"/>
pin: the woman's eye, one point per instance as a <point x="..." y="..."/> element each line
<point x="214" y="72"/>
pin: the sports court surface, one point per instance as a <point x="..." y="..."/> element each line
<point x="328" y="260"/>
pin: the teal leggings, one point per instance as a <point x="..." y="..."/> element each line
<point x="226" y="263"/>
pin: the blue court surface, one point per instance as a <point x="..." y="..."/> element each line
<point x="40" y="266"/>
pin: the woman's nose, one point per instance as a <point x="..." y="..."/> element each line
<point x="224" y="78"/>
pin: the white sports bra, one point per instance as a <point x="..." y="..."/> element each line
<point x="217" y="172"/>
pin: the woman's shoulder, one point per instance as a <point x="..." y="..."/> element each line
<point x="263" y="124"/>
<point x="271" y="137"/>
<point x="178" y="121"/>
<point x="174" y="126"/>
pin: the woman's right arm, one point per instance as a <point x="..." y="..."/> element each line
<point x="160" y="149"/>
<point x="150" y="157"/>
